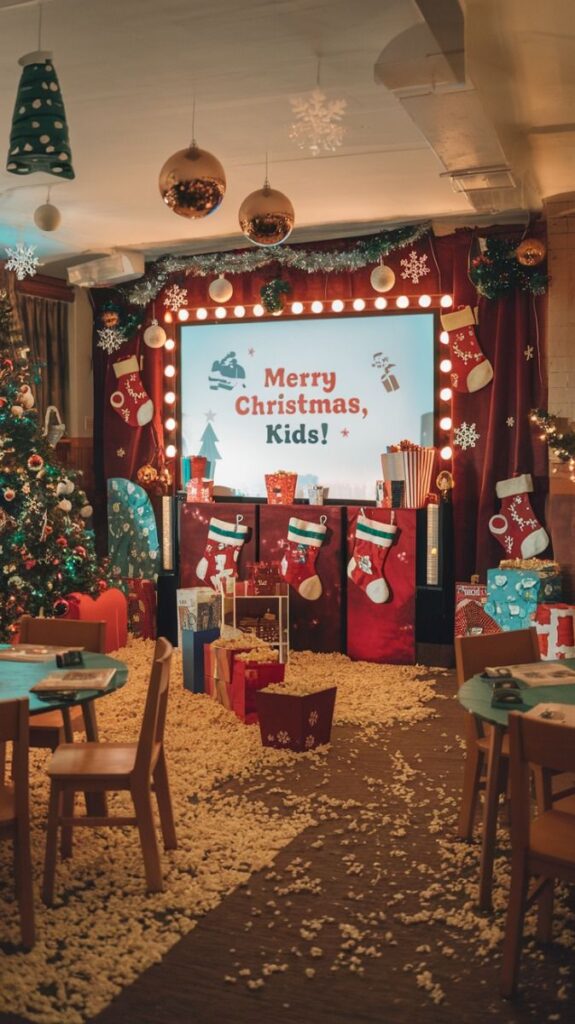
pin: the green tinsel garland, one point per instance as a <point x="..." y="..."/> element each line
<point x="497" y="271"/>
<point x="357" y="255"/>
<point x="271" y="294"/>
<point x="562" y="444"/>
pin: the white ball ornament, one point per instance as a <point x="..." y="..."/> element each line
<point x="86" y="511"/>
<point x="26" y="397"/>
<point x="382" y="278"/>
<point x="70" y="486"/>
<point x="65" y="505"/>
<point x="61" y="487"/>
<point x="17" y="411"/>
<point x="47" y="217"/>
<point x="154" y="335"/>
<point x="221" y="290"/>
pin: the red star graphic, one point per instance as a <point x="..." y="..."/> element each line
<point x="345" y="432"/>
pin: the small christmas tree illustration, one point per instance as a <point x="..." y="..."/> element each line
<point x="209" y="449"/>
<point x="46" y="548"/>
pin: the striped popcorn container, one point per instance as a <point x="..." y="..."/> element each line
<point x="418" y="469"/>
<point x="393" y="472"/>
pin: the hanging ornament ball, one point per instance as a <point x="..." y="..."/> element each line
<point x="382" y="278"/>
<point x="192" y="182"/>
<point x="65" y="505"/>
<point x="60" y="607"/>
<point x="61" y="542"/>
<point x="146" y="475"/>
<point x="25" y="396"/>
<point x="80" y="551"/>
<point x="86" y="511"/>
<point x="530" y="252"/>
<point x="35" y="463"/>
<point x="9" y="494"/>
<point x="154" y="335"/>
<point x="266" y="216"/>
<point x="17" y="411"/>
<point x="221" y="290"/>
<point x="47" y="217"/>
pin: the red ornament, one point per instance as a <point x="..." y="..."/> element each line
<point x="9" y="494"/>
<point x="61" y="542"/>
<point x="30" y="563"/>
<point x="60" y="607"/>
<point x="35" y="463"/>
<point x="80" y="551"/>
<point x="48" y="530"/>
<point x="102" y="586"/>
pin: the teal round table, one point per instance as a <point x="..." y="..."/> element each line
<point x="17" y="677"/>
<point x="475" y="696"/>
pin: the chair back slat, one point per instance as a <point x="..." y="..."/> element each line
<point x="71" y="632"/>
<point x="154" y="720"/>
<point x="549" y="745"/>
<point x="473" y="653"/>
<point x="14" y="726"/>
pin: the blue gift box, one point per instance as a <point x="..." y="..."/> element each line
<point x="513" y="594"/>
<point x="193" y="641"/>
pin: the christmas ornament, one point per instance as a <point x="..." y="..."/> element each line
<point x="371" y="546"/>
<point x="382" y="278"/>
<point x="64" y="505"/>
<point x="17" y="411"/>
<point x="515" y="525"/>
<point x="497" y="270"/>
<point x="35" y="462"/>
<point x="110" y="318"/>
<point x="61" y="542"/>
<point x="317" y="122"/>
<point x="146" y="475"/>
<point x="154" y="335"/>
<point x="471" y="371"/>
<point x="9" y="494"/>
<point x="131" y="401"/>
<point x="222" y="551"/>
<point x="530" y="252"/>
<point x="221" y="290"/>
<point x="86" y="511"/>
<point x="39" y="136"/>
<point x="110" y="339"/>
<point x="26" y="396"/>
<point x="266" y="216"/>
<point x="298" y="563"/>
<point x="47" y="217"/>
<point x="80" y="551"/>
<point x="22" y="260"/>
<point x="192" y="182"/>
<point x="60" y="607"/>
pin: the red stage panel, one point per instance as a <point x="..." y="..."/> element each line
<point x="194" y="522"/>
<point x="385" y="632"/>
<point x="314" y="625"/>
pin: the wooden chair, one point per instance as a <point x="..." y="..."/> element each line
<point x="472" y="654"/>
<point x="51" y="728"/>
<point x="138" y="768"/>
<point x="14" y="810"/>
<point x="542" y="847"/>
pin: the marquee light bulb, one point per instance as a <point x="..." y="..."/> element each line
<point x="317" y="306"/>
<point x="169" y="371"/>
<point x="445" y="365"/>
<point x="183" y="314"/>
<point x="239" y="311"/>
<point x="170" y="423"/>
<point x="337" y="306"/>
<point x="380" y="302"/>
<point x="258" y="309"/>
<point x="445" y="422"/>
<point x="171" y="451"/>
<point x="201" y="313"/>
<point x="168" y="318"/>
<point x="297" y="308"/>
<point x="446" y="301"/>
<point x="358" y="305"/>
<point x="169" y="345"/>
<point x="402" y="302"/>
<point x="424" y="301"/>
<point x="444" y="338"/>
<point x="169" y="398"/>
<point x="221" y="313"/>
<point x="445" y="394"/>
<point x="446" y="453"/>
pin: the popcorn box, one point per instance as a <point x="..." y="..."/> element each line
<point x="290" y="721"/>
<point x="555" y="625"/>
<point x="513" y="595"/>
<point x="192" y="645"/>
<point x="198" y="608"/>
<point x="280" y="488"/>
<point x="471" y="619"/>
<point x="248" y="677"/>
<point x="219" y="670"/>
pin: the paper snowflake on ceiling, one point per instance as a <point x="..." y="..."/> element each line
<point x="465" y="436"/>
<point x="414" y="267"/>
<point x="317" y="122"/>
<point x="110" y="339"/>
<point x="175" y="298"/>
<point x="22" y="261"/>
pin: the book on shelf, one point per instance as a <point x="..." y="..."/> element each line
<point x="75" y="680"/>
<point x="33" y="652"/>
<point x="536" y="673"/>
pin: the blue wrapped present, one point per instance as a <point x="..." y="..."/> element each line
<point x="513" y="594"/>
<point x="193" y="641"/>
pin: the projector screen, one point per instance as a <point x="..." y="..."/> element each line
<point x="320" y="397"/>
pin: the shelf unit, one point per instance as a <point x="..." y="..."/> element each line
<point x="247" y="611"/>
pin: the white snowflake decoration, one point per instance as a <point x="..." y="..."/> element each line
<point x="510" y="421"/>
<point x="175" y="298"/>
<point x="528" y="352"/>
<point x="22" y="261"/>
<point x="313" y="718"/>
<point x="110" y="339"/>
<point x="414" y="267"/>
<point x="465" y="436"/>
<point x="316" y="124"/>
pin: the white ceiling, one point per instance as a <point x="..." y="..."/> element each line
<point x="129" y="70"/>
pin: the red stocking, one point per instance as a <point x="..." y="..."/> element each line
<point x="471" y="371"/>
<point x="372" y="543"/>
<point x="298" y="562"/>
<point x="222" y="551"/>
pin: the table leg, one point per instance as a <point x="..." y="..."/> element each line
<point x="488" y="839"/>
<point x="95" y="802"/>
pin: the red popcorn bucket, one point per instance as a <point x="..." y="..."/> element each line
<point x="418" y="470"/>
<point x="290" y="721"/>
<point x="198" y="466"/>
<point x="280" y="488"/>
<point x="248" y="677"/>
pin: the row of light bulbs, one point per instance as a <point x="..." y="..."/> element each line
<point x="317" y="307"/>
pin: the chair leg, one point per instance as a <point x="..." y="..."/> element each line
<point x="68" y="730"/>
<point x="514" y="927"/>
<point x="2" y="761"/>
<point x="162" y="789"/>
<point x="96" y="804"/>
<point x="471" y="776"/>
<point x="545" y="912"/>
<point x="51" y="844"/>
<point x="492" y="791"/>
<point x="24" y="888"/>
<point x="148" y="840"/>
<point x="68" y="796"/>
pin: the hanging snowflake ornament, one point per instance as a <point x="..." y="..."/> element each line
<point x="465" y="436"/>
<point x="22" y="261"/>
<point x="110" y="339"/>
<point x="414" y="267"/>
<point x="175" y="298"/>
<point x="317" y="122"/>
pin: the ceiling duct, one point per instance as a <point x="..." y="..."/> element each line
<point x="116" y="268"/>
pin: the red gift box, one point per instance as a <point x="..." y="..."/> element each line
<point x="219" y="669"/>
<point x="141" y="596"/>
<point x="292" y="721"/>
<point x="248" y="677"/>
<point x="555" y="630"/>
<point x="471" y="619"/>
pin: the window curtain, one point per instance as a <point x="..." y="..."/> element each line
<point x="45" y="330"/>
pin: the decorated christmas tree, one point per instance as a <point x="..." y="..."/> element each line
<point x="46" y="548"/>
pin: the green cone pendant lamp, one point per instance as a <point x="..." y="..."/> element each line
<point x="39" y="137"/>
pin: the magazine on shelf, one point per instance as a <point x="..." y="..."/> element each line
<point x="560" y="714"/>
<point x="537" y="673"/>
<point x="75" y="680"/>
<point x="33" y="652"/>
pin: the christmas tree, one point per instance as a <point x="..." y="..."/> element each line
<point x="46" y="548"/>
<point x="209" y="449"/>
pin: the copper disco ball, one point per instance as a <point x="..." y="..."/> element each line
<point x="530" y="252"/>
<point x="266" y="216"/>
<point x="192" y="182"/>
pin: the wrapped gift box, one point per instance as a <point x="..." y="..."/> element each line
<point x="248" y="677"/>
<point x="471" y="619"/>
<point x="219" y="670"/>
<point x="513" y="594"/>
<point x="198" y="608"/>
<point x="555" y="625"/>
<point x="290" y="721"/>
<point x="192" y="646"/>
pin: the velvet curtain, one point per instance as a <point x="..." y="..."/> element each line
<point x="45" y="330"/>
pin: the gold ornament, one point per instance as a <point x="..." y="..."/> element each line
<point x="266" y="216"/>
<point x="47" y="217"/>
<point x="192" y="182"/>
<point x="382" y="278"/>
<point x="146" y="475"/>
<point x="530" y="252"/>
<point x="221" y="290"/>
<point x="154" y="335"/>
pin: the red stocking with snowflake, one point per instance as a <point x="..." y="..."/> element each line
<point x="372" y="543"/>
<point x="130" y="399"/>
<point x="298" y="562"/>
<point x="220" y="558"/>
<point x="515" y="526"/>
<point x="470" y="371"/>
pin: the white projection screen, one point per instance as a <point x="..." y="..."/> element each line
<point x="320" y="397"/>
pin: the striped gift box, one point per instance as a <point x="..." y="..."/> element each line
<point x="418" y="470"/>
